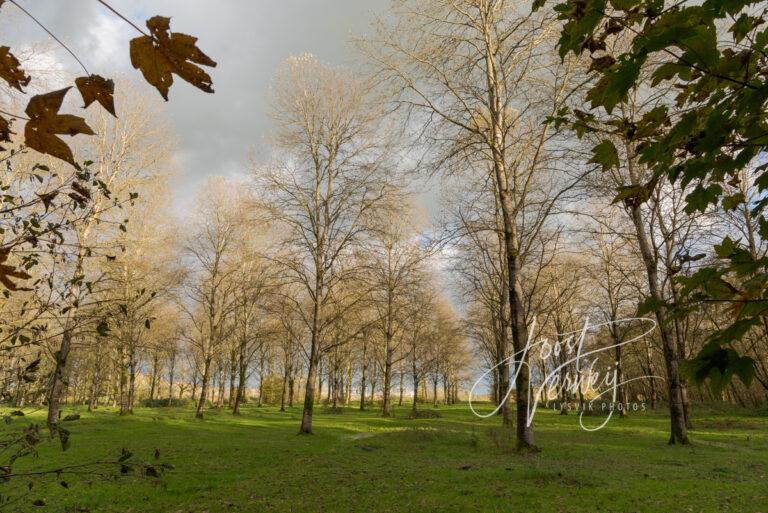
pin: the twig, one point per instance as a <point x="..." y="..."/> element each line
<point x="129" y="22"/>
<point x="53" y="36"/>
<point x="13" y="115"/>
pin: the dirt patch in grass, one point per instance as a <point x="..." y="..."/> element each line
<point x="730" y="424"/>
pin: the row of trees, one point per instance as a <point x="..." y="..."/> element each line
<point x="317" y="274"/>
<point x="314" y="274"/>
<point x="561" y="214"/>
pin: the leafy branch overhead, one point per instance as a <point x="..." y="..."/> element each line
<point x="713" y="54"/>
<point x="157" y="55"/>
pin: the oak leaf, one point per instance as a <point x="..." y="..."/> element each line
<point x="8" y="271"/>
<point x="45" y="122"/>
<point x="10" y="70"/>
<point x="164" y="52"/>
<point x="95" y="88"/>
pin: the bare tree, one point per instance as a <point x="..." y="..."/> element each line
<point x="479" y="77"/>
<point x="209" y="298"/>
<point x="330" y="180"/>
<point x="396" y="258"/>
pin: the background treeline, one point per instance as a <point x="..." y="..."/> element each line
<point x="317" y="278"/>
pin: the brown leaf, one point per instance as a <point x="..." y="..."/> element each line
<point x="45" y="122"/>
<point x="81" y="190"/>
<point x="164" y="52"/>
<point x="96" y="88"/>
<point x="8" y="271"/>
<point x="5" y="131"/>
<point x="47" y="198"/>
<point x="11" y="71"/>
<point x="601" y="63"/>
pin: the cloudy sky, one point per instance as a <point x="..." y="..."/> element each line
<point x="248" y="39"/>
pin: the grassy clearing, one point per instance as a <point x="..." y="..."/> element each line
<point x="358" y="461"/>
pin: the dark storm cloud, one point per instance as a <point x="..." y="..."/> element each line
<point x="249" y="39"/>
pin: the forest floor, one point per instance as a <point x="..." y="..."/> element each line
<point x="359" y="462"/>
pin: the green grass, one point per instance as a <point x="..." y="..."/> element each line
<point x="361" y="462"/>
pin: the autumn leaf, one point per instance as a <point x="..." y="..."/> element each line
<point x="80" y="190"/>
<point x="47" y="199"/>
<point x="5" y="131"/>
<point x="11" y="71"/>
<point x="164" y="52"/>
<point x="45" y="122"/>
<point x="8" y="271"/>
<point x="95" y="88"/>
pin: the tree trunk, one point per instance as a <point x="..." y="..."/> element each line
<point x="679" y="335"/>
<point x="362" y="378"/>
<point x="155" y="376"/>
<point x="203" y="388"/>
<point x="284" y="390"/>
<point x="291" y="389"/>
<point x="131" y="379"/>
<point x="373" y="391"/>
<point x="194" y="386"/>
<point x="242" y="374"/>
<point x="678" y="432"/>
<point x="524" y="428"/>
<point x="59" y="381"/>
<point x="621" y="392"/>
<point x="222" y="376"/>
<point x="171" y="370"/>
<point x="415" y="376"/>
<point x="260" y="401"/>
<point x="233" y="361"/>
<point x="502" y="342"/>
<point x="309" y="393"/>
<point x="348" y="391"/>
<point x="386" y="407"/>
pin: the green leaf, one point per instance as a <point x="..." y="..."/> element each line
<point x="583" y="18"/>
<point x="726" y="248"/>
<point x="606" y="155"/>
<point x="743" y="26"/>
<point x="701" y="197"/>
<point x="616" y="82"/>
<point x="650" y="305"/>
<point x="733" y="201"/>
<point x="624" y="5"/>
<point x="718" y="365"/>
<point x="744" y="368"/>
